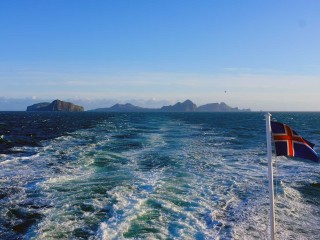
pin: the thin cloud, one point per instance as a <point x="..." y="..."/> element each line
<point x="245" y="90"/>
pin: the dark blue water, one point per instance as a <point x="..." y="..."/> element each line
<point x="152" y="176"/>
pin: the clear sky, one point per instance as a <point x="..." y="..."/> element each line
<point x="264" y="54"/>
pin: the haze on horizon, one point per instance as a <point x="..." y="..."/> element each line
<point x="249" y="54"/>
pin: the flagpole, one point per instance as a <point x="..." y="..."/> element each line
<point x="270" y="176"/>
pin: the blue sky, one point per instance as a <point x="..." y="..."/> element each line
<point x="265" y="54"/>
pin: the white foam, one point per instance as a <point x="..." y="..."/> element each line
<point x="209" y="191"/>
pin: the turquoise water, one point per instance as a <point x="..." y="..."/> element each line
<point x="152" y="176"/>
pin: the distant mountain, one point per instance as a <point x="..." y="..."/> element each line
<point x="55" y="106"/>
<point x="219" y="107"/>
<point x="186" y="106"/>
<point x="128" y="107"/>
<point x="37" y="106"/>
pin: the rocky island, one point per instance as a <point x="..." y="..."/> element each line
<point x="186" y="106"/>
<point x="55" y="106"/>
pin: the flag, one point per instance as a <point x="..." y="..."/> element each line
<point x="289" y="143"/>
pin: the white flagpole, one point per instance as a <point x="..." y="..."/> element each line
<point x="270" y="176"/>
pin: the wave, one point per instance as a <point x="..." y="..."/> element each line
<point x="154" y="177"/>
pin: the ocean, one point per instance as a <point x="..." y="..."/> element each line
<point x="152" y="176"/>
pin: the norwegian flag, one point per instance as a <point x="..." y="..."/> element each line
<point x="289" y="143"/>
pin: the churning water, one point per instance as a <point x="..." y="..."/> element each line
<point x="152" y="176"/>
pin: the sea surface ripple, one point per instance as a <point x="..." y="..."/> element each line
<point x="152" y="176"/>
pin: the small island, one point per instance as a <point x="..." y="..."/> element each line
<point x="55" y="106"/>
<point x="186" y="106"/>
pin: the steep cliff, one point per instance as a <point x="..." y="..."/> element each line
<point x="186" y="106"/>
<point x="55" y="106"/>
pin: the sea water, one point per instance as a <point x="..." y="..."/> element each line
<point x="152" y="176"/>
